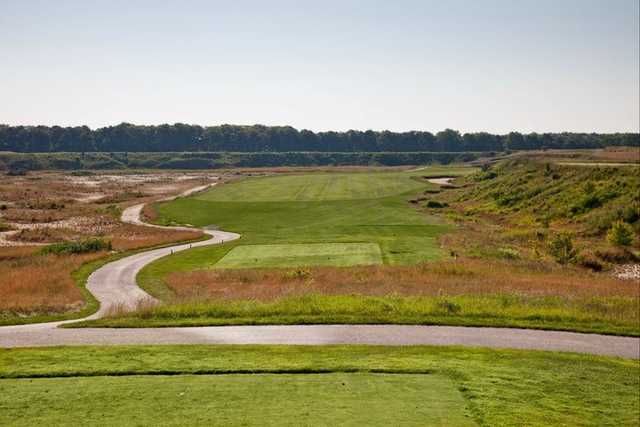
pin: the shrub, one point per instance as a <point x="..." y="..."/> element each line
<point x="620" y="234"/>
<point x="82" y="173"/>
<point x="435" y="204"/>
<point x="590" y="261"/>
<point x="561" y="248"/>
<point x="5" y="227"/>
<point x="77" y="247"/>
<point x="16" y="172"/>
<point x="618" y="255"/>
<point x="588" y="202"/>
<point x="448" y="307"/>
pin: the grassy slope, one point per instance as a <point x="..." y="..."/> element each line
<point x="587" y="199"/>
<point x="499" y="387"/>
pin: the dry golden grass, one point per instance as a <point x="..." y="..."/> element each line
<point x="14" y="252"/>
<point x="40" y="284"/>
<point x="462" y="277"/>
<point x="31" y="284"/>
<point x="128" y="236"/>
<point x="44" y="235"/>
<point x="34" y="284"/>
<point x="149" y="213"/>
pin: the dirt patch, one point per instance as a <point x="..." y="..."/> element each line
<point x="45" y="207"/>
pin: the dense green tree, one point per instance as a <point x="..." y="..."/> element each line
<point x="182" y="137"/>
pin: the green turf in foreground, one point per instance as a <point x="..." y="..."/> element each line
<point x="499" y="387"/>
<point x="336" y="254"/>
<point x="267" y="399"/>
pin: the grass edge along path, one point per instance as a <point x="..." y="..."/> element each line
<point x="500" y="387"/>
<point x="463" y="310"/>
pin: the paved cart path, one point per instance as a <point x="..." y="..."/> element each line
<point x="114" y="285"/>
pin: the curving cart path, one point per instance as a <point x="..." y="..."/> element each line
<point x="114" y="285"/>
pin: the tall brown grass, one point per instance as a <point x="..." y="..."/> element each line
<point x="41" y="284"/>
<point x="34" y="284"/>
<point x="462" y="277"/>
<point x="129" y="236"/>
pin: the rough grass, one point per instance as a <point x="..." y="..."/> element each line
<point x="587" y="200"/>
<point x="442" y="278"/>
<point x="40" y="285"/>
<point x="616" y="316"/>
<point x="499" y="387"/>
<point x="463" y="292"/>
<point x="41" y="288"/>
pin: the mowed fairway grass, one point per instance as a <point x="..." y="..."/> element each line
<point x="337" y="254"/>
<point x="324" y="186"/>
<point x="307" y="385"/>
<point x="225" y="400"/>
<point x="282" y="219"/>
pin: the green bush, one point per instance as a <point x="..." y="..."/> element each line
<point x="561" y="248"/>
<point x="435" y="204"/>
<point x="588" y="202"/>
<point x="448" y="307"/>
<point x="82" y="173"/>
<point x="5" y="227"/>
<point x="77" y="247"/>
<point x="620" y="234"/>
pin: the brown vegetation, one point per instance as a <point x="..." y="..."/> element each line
<point x="39" y="284"/>
<point x="45" y="208"/>
<point x="36" y="284"/>
<point x="462" y="277"/>
<point x="128" y="236"/>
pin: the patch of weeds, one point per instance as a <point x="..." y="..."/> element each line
<point x="448" y="307"/>
<point x="298" y="274"/>
<point x="508" y="253"/>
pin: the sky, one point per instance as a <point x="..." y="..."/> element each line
<point x="472" y="65"/>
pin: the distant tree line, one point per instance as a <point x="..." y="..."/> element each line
<point x="22" y="162"/>
<point x="180" y="137"/>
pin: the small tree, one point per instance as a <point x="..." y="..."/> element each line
<point x="561" y="248"/>
<point x="620" y="234"/>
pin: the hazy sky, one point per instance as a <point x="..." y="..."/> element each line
<point x="475" y="65"/>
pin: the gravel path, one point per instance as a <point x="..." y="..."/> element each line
<point x="114" y="285"/>
<point x="37" y="335"/>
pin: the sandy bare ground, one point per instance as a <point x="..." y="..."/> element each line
<point x="114" y="286"/>
<point x="440" y="181"/>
